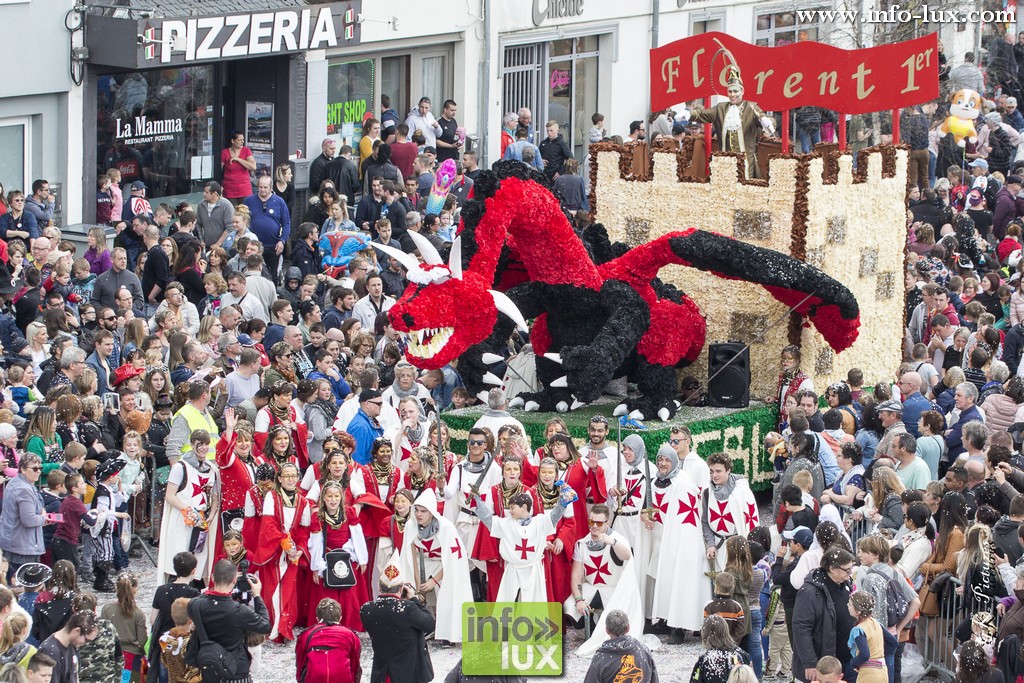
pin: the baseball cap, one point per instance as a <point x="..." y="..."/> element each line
<point x="678" y="127"/>
<point x="979" y="163"/>
<point x="1015" y="180"/>
<point x="368" y="395"/>
<point x="246" y="340"/>
<point x="1011" y="101"/>
<point x="430" y="150"/>
<point x="138" y="185"/>
<point x="801" y="535"/>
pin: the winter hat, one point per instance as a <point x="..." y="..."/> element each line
<point x="993" y="117"/>
<point x="975" y="198"/>
<point x="637" y="445"/>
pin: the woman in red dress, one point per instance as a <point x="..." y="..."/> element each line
<point x="336" y="469"/>
<point x="282" y="412"/>
<point x="485" y="548"/>
<point x="373" y="492"/>
<point x="340" y="441"/>
<point x="284" y="534"/>
<point x="237" y="162"/>
<point x="338" y="529"/>
<point x="558" y="554"/>
<point x="571" y="471"/>
<point x="237" y="472"/>
<point x="278" y="449"/>
<point x="555" y="425"/>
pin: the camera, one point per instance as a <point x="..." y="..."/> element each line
<point x="243" y="591"/>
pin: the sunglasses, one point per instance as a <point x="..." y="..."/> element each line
<point x="675" y="442"/>
<point x="111" y="318"/>
<point x="476" y="442"/>
<point x="36" y="469"/>
<point x="593" y="524"/>
<point x="376" y="403"/>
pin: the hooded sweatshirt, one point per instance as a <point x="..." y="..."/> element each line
<point x="622" y="659"/>
<point x="1005" y="537"/>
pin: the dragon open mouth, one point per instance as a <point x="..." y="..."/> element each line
<point x="427" y="342"/>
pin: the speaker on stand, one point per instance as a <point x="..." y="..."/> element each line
<point x="729" y="375"/>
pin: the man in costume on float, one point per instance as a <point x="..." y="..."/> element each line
<point x="474" y="471"/>
<point x="727" y="508"/>
<point x="434" y="557"/>
<point x="598" y="453"/>
<point x="522" y="538"/>
<point x="738" y="124"/>
<point x="602" y="580"/>
<point x="677" y="588"/>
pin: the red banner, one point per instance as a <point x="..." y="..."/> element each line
<point x="806" y="73"/>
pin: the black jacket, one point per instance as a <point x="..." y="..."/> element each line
<point x="1013" y="347"/>
<point x="398" y="630"/>
<point x="227" y="622"/>
<point x="346" y="178"/>
<point x="622" y="658"/>
<point x="1005" y="537"/>
<point x="555" y="153"/>
<point x="317" y="172"/>
<point x="306" y="258"/>
<point x="814" y="624"/>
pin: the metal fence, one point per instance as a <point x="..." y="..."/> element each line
<point x="938" y="638"/>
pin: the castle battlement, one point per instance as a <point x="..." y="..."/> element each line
<point x="848" y="222"/>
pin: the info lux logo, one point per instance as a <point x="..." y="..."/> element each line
<point x="512" y="638"/>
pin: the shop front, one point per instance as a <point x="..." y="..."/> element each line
<point x="167" y="102"/>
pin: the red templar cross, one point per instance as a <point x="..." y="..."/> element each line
<point x="599" y="570"/>
<point x="721" y="516"/>
<point x="524" y="549"/>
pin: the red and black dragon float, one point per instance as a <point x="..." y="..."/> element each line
<point x="599" y="310"/>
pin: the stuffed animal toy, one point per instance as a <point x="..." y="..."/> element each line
<point x="965" y="106"/>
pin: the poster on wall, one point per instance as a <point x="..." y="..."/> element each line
<point x="349" y="99"/>
<point x="259" y="125"/>
<point x="264" y="163"/>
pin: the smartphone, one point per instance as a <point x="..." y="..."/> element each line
<point x="54" y="517"/>
<point x="111" y="402"/>
<point x="1000" y="553"/>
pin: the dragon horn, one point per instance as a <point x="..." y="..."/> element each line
<point x="427" y="251"/>
<point x="455" y="258"/>
<point x="408" y="260"/>
<point x="505" y="305"/>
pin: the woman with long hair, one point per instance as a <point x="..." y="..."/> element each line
<point x="421" y="469"/>
<point x="156" y="383"/>
<point x="98" y="255"/>
<point x="68" y="411"/>
<point x="553" y="426"/>
<point x="38" y="337"/>
<point x="218" y="262"/>
<point x="175" y="344"/>
<point x="561" y="544"/>
<point x="979" y="577"/>
<point x="186" y="271"/>
<point x="210" y="330"/>
<point x="746" y="591"/>
<point x="170" y="248"/>
<point x="447" y="459"/>
<point x="335" y="467"/>
<point x="917" y="541"/>
<point x="351" y="328"/>
<point x="337" y="528"/>
<point x="870" y="433"/>
<point x="42" y="439"/>
<point x="721" y="654"/>
<point x="320" y="414"/>
<point x="374" y="487"/>
<point x="13" y="633"/>
<point x="285" y="189"/>
<point x="135" y="333"/>
<point x="237" y="162"/>
<point x="240" y="224"/>
<point x="883" y="505"/>
<point x="283" y="549"/>
<point x="952" y="526"/>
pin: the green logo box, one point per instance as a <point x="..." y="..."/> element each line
<point x="512" y="639"/>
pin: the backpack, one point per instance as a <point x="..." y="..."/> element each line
<point x="896" y="603"/>
<point x="210" y="657"/>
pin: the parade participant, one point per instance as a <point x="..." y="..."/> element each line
<point x="602" y="580"/>
<point x="727" y="508"/>
<point x="328" y="652"/>
<point x="632" y="494"/>
<point x="392" y="530"/>
<point x="337" y="470"/>
<point x="373" y="494"/>
<point x="413" y="433"/>
<point x="447" y="458"/>
<point x="435" y="558"/>
<point x="282" y="546"/>
<point x="792" y="381"/>
<point x="560" y="544"/>
<point x="499" y="497"/>
<point x="692" y="463"/>
<point x="460" y="508"/>
<point x="339" y="441"/>
<point x="571" y="471"/>
<point x="277" y="448"/>
<point x="398" y="623"/>
<point x="191" y="507"/>
<point x="337" y="550"/>
<point x="553" y="426"/>
<point x="422" y="474"/>
<point x="237" y="469"/>
<point x="253" y="508"/>
<point x="282" y="412"/>
<point x="105" y="501"/>
<point x="680" y="589"/>
<point x="598" y="456"/>
<point x="738" y="124"/>
<point x="521" y="541"/>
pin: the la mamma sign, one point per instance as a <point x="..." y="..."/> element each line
<point x="235" y="36"/>
<point x="801" y="74"/>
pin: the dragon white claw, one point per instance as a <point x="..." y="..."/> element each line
<point x="562" y="381"/>
<point x="517" y="402"/>
<point x="491" y="378"/>
<point x="561" y="406"/>
<point x="663" y="414"/>
<point x="620" y="410"/>
<point x="556" y="357"/>
<point x="491" y="358"/>
<point x="636" y="415"/>
<point x="531" y="406"/>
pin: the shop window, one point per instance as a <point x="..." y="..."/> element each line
<point x="158" y="127"/>
<point x="349" y="98"/>
<point x="13" y="154"/>
<point x="784" y="28"/>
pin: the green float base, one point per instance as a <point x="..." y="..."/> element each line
<point x="739" y="432"/>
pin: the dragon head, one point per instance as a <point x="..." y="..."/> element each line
<point x="444" y="311"/>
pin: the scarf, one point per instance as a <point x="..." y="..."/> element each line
<point x="327" y="407"/>
<point x="288" y="374"/>
<point x="548" y="494"/>
<point x="237" y="559"/>
<point x="418" y="483"/>
<point x="400" y="522"/>
<point x="507" y="494"/>
<point x="429" y="530"/>
<point x="280" y="413"/>
<point x="401" y="393"/>
<point x="337" y="519"/>
<point x="382" y="472"/>
<point x="289" y="500"/>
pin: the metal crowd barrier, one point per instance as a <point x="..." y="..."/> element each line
<point x="937" y="637"/>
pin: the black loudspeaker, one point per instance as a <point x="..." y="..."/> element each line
<point x="729" y="375"/>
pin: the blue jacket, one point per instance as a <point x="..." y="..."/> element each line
<point x="954" y="442"/>
<point x="913" y="406"/>
<point x="102" y="378"/>
<point x="21" y="521"/>
<point x="271" y="220"/>
<point x="27" y="222"/>
<point x="514" y="152"/>
<point x="365" y="431"/>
